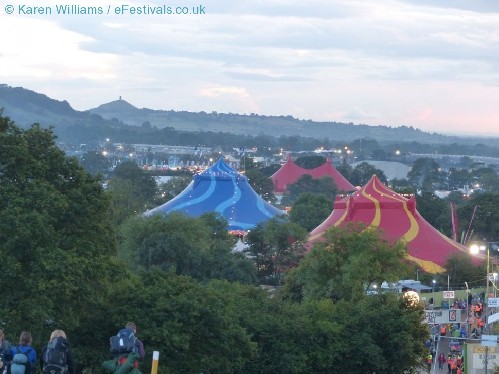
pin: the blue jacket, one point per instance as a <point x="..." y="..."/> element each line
<point x="28" y="350"/>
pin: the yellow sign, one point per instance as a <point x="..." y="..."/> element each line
<point x="479" y="349"/>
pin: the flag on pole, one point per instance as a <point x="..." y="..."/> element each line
<point x="467" y="236"/>
<point x="453" y="213"/>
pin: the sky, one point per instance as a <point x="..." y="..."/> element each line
<point x="431" y="64"/>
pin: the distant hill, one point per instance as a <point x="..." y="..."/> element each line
<point x="26" y="107"/>
<point x="254" y="124"/>
<point x="276" y="126"/>
<point x="120" y="117"/>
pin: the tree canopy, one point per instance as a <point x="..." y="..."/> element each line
<point x="56" y="238"/>
<point x="132" y="191"/>
<point x="68" y="265"/>
<point x="363" y="172"/>
<point x="275" y="246"/>
<point x="309" y="210"/>
<point x="322" y="186"/>
<point x="345" y="264"/>
<point x="202" y="248"/>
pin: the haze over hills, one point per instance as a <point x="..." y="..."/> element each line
<point x="254" y="124"/>
<point x="26" y="107"/>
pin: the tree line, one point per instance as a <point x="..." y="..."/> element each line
<point x="81" y="258"/>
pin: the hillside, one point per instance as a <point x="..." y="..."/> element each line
<point x="259" y="124"/>
<point x="122" y="119"/>
<point x="26" y="107"/>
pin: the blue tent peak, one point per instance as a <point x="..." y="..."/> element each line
<point x="221" y="189"/>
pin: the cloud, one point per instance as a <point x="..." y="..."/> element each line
<point x="218" y="91"/>
<point x="53" y="54"/>
<point x="264" y="77"/>
<point x="321" y="59"/>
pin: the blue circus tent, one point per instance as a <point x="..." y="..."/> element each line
<point x="221" y="189"/>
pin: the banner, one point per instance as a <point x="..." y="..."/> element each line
<point x="440" y="316"/>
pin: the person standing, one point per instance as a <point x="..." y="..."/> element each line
<point x="57" y="357"/>
<point x="128" y="350"/>
<point x="138" y="343"/>
<point x="5" y="353"/>
<point x="429" y="360"/>
<point x="443" y="330"/>
<point x="441" y="361"/>
<point x="23" y="356"/>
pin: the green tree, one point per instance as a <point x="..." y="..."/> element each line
<point x="55" y="234"/>
<point x="401" y="184"/>
<point x="268" y="171"/>
<point x="345" y="169"/>
<point x="380" y="155"/>
<point x="275" y="246"/>
<point x="95" y="163"/>
<point x="460" y="268"/>
<point x="436" y="211"/>
<point x="459" y="178"/>
<point x="202" y="249"/>
<point x="457" y="197"/>
<point x="171" y="188"/>
<point x="195" y="327"/>
<point x="310" y="162"/>
<point x="261" y="184"/>
<point x="132" y="191"/>
<point x="424" y="174"/>
<point x="324" y="186"/>
<point x="363" y="172"/>
<point x="382" y="334"/>
<point x="309" y="210"/>
<point x="486" y="179"/>
<point x="485" y="224"/>
<point x="363" y="147"/>
<point x="345" y="265"/>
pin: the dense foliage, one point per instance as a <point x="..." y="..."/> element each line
<point x="193" y="298"/>
<point x="310" y="210"/>
<point x="345" y="265"/>
<point x="56" y="239"/>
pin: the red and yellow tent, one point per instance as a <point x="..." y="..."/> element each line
<point x="289" y="173"/>
<point x="376" y="205"/>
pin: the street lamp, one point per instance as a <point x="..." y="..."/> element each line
<point x="468" y="327"/>
<point x="475" y="249"/>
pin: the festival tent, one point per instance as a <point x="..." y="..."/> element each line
<point x="221" y="189"/>
<point x="290" y="172"/>
<point x="375" y="205"/>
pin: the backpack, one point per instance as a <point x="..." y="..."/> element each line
<point x="20" y="362"/>
<point x="5" y="353"/>
<point x="55" y="357"/>
<point x="123" y="342"/>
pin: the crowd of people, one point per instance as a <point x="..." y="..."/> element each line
<point x="57" y="356"/>
<point x="22" y="358"/>
<point x="471" y="328"/>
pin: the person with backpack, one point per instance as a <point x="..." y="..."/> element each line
<point x="57" y="357"/>
<point x="127" y="350"/>
<point x="23" y="356"/>
<point x="5" y="353"/>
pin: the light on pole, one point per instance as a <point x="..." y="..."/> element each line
<point x="494" y="275"/>
<point x="468" y="327"/>
<point x="475" y="249"/>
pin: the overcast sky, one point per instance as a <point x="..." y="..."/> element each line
<point x="432" y="64"/>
